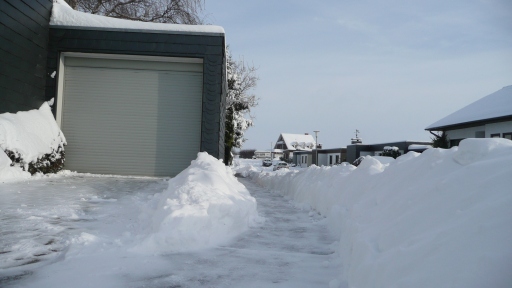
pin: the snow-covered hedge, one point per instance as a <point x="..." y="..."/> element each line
<point x="437" y="219"/>
<point x="32" y="141"/>
<point x="203" y="206"/>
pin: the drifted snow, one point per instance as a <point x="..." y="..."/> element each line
<point x="78" y="230"/>
<point x="437" y="219"/>
<point x="204" y="206"/>
<point x="63" y="15"/>
<point x="9" y="173"/>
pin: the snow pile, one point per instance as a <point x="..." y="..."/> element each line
<point x="204" y="206"/>
<point x="63" y="15"/>
<point x="33" y="138"/>
<point x="8" y="172"/>
<point x="437" y="219"/>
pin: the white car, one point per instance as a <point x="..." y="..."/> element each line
<point x="267" y="163"/>
<point x="281" y="165"/>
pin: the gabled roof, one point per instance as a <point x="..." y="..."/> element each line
<point x="297" y="141"/>
<point x="492" y="107"/>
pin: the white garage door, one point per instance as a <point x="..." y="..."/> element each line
<point x="131" y="117"/>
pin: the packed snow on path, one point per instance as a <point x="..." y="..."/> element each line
<point x="78" y="230"/>
<point x="437" y="219"/>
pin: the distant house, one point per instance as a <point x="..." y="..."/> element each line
<point x="329" y="157"/>
<point x="302" y="158"/>
<point x="132" y="98"/>
<point x="355" y="151"/>
<point x="320" y="157"/>
<point x="290" y="143"/>
<point x="264" y="154"/>
<point x="489" y="117"/>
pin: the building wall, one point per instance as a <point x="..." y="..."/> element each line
<point x="469" y="132"/>
<point x="322" y="160"/>
<point x="262" y="155"/>
<point x="501" y="127"/>
<point x="24" y="28"/>
<point x="480" y="131"/>
<point x="210" y="48"/>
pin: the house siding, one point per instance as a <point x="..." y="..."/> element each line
<point x="209" y="48"/>
<point x="24" y="29"/>
<point x="498" y="128"/>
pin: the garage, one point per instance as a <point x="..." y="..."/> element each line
<point x="130" y="115"/>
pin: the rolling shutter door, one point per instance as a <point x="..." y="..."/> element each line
<point x="131" y="117"/>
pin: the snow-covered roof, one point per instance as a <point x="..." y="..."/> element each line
<point x="65" y="17"/>
<point x="419" y="147"/>
<point x="268" y="151"/>
<point x="495" y="105"/>
<point x="298" y="141"/>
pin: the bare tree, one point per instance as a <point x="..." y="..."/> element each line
<point x="161" y="11"/>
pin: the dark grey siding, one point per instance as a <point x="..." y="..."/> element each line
<point x="24" y="28"/>
<point x="210" y="48"/>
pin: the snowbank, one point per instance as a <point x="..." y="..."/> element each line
<point x="204" y="206"/>
<point x="8" y="172"/>
<point x="437" y="219"/>
<point x="29" y="136"/>
<point x="63" y="15"/>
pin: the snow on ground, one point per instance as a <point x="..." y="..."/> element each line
<point x="204" y="206"/>
<point x="76" y="230"/>
<point x="437" y="219"/>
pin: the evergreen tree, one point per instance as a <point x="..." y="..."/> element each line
<point x="391" y="152"/>
<point x="440" y="141"/>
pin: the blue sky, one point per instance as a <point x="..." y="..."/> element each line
<point x="387" y="68"/>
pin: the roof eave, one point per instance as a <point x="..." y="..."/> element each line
<point x="135" y="30"/>
<point x="470" y="123"/>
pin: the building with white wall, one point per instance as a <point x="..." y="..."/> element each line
<point x="489" y="117"/>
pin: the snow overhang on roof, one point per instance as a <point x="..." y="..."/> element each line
<point x="63" y="16"/>
<point x="298" y="141"/>
<point x="494" y="106"/>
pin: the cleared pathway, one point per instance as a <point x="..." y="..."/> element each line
<point x="291" y="248"/>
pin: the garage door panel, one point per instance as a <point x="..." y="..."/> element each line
<point x="131" y="122"/>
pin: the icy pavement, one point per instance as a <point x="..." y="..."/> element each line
<point x="76" y="231"/>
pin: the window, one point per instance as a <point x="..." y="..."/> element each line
<point x="480" y="134"/>
<point x="337" y="158"/>
<point x="497" y="135"/>
<point x="330" y="159"/>
<point x="507" y="135"/>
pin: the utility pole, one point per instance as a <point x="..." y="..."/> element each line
<point x="316" y="144"/>
<point x="316" y="138"/>
<point x="271" y="158"/>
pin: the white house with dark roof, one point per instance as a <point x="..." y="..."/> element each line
<point x="289" y="143"/>
<point x="489" y="117"/>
